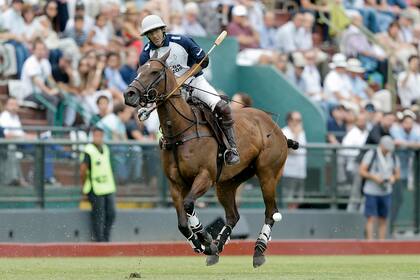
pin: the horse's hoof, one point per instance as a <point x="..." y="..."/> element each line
<point x="258" y="261"/>
<point x="205" y="238"/>
<point x="211" y="249"/>
<point x="212" y="259"/>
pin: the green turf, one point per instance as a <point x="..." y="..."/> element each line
<point x="185" y="268"/>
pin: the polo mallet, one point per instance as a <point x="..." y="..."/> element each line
<point x="144" y="113"/>
<point x="217" y="42"/>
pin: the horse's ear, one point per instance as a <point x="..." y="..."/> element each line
<point x="165" y="56"/>
<point x="154" y="56"/>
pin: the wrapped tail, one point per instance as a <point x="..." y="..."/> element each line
<point x="292" y="144"/>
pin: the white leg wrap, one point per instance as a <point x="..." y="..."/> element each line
<point x="194" y="222"/>
<point x="265" y="233"/>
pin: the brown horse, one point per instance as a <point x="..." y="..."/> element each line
<point x="191" y="167"/>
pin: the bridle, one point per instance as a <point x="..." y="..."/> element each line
<point x="150" y="94"/>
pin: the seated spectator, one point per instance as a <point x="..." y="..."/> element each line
<point x="312" y="79"/>
<point x="241" y="29"/>
<point x="103" y="107"/>
<point x="406" y="22"/>
<point x="336" y="126"/>
<point x="175" y="25"/>
<point x="296" y="76"/>
<point x="80" y="15"/>
<point x="281" y="62"/>
<point x="337" y="86"/>
<point x="99" y="37"/>
<point x="37" y="82"/>
<point x="294" y="175"/>
<point x="77" y="32"/>
<point x="240" y="100"/>
<point x="268" y="32"/>
<point x="399" y="51"/>
<point x="131" y="28"/>
<point x="384" y="16"/>
<point x="409" y="83"/>
<point x="113" y="75"/>
<point x="287" y="35"/>
<point x="304" y="39"/>
<point x="12" y="28"/>
<point x="129" y="70"/>
<point x="31" y="25"/>
<point x="190" y="23"/>
<point x="359" y="86"/>
<point x="354" y="43"/>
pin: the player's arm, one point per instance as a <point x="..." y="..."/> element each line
<point x="197" y="55"/>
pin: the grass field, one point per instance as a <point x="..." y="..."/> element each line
<point x="185" y="268"/>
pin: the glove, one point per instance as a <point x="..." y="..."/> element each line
<point x="143" y="114"/>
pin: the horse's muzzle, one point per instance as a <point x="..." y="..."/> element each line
<point x="131" y="97"/>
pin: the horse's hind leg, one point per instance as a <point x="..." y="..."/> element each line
<point x="226" y="194"/>
<point x="183" y="224"/>
<point x="268" y="180"/>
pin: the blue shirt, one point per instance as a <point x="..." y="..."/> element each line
<point x="184" y="53"/>
<point x="114" y="79"/>
<point x="359" y="86"/>
<point x="128" y="74"/>
<point x="398" y="133"/>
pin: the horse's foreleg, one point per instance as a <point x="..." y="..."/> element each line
<point x="226" y="195"/>
<point x="177" y="198"/>
<point x="268" y="183"/>
<point x="200" y="186"/>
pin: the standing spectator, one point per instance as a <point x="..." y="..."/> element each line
<point x="190" y="23"/>
<point x="381" y="129"/>
<point x="294" y="175"/>
<point x="406" y="138"/>
<point x="99" y="185"/>
<point x="409" y="83"/>
<point x="37" y="81"/>
<point x="356" y="136"/>
<point x="241" y="29"/>
<point x="381" y="169"/>
<point x="12" y="129"/>
<point x="287" y="34"/>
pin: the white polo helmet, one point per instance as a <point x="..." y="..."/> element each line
<point x="151" y="22"/>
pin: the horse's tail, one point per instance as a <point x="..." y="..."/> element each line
<point x="292" y="144"/>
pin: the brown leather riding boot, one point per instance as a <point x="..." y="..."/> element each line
<point x="232" y="154"/>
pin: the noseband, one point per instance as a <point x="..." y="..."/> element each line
<point x="150" y="94"/>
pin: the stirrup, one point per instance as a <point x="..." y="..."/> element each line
<point x="231" y="152"/>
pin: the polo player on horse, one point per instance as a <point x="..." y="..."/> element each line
<point x="185" y="54"/>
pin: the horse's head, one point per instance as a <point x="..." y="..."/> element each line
<point x="150" y="85"/>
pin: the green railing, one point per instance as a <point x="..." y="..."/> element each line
<point x="146" y="186"/>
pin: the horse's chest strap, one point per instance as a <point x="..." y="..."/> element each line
<point x="165" y="144"/>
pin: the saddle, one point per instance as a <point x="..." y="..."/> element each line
<point x="203" y="115"/>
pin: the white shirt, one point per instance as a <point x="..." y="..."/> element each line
<point x="34" y="68"/>
<point x="101" y="36"/>
<point x="303" y="39"/>
<point x="411" y="91"/>
<point x="88" y="23"/>
<point x="7" y="120"/>
<point x="12" y="21"/>
<point x="312" y="80"/>
<point x="335" y="82"/>
<point x="295" y="166"/>
<point x="286" y="38"/>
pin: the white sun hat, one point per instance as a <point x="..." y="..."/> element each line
<point x="338" y="60"/>
<point x="354" y="65"/>
<point x="240" y="11"/>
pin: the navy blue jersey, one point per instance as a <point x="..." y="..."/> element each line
<point x="184" y="53"/>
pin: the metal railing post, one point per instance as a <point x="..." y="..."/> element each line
<point x="334" y="204"/>
<point x="39" y="173"/>
<point x="417" y="191"/>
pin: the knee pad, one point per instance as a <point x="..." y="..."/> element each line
<point x="222" y="108"/>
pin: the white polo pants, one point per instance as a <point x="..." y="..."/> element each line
<point x="208" y="96"/>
